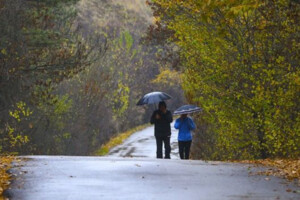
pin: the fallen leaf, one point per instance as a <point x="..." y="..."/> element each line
<point x="30" y="125"/>
<point x="5" y="165"/>
<point x="288" y="168"/>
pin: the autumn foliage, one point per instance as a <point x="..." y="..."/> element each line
<point x="5" y="178"/>
<point x="240" y="63"/>
<point x="287" y="168"/>
<point x="71" y="73"/>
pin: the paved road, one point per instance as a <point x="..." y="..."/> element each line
<point x="142" y="145"/>
<point x="141" y="176"/>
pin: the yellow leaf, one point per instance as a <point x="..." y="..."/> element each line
<point x="3" y="51"/>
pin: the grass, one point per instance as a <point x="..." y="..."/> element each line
<point x="119" y="139"/>
<point x="5" y="164"/>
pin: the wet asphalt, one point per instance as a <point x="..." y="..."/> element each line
<point x="131" y="171"/>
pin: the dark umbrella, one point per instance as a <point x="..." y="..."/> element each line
<point x="187" y="109"/>
<point x="153" y="97"/>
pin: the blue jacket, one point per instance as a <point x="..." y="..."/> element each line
<point x="185" y="126"/>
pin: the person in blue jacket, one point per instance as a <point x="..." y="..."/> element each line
<point x="185" y="125"/>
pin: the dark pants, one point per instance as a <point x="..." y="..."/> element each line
<point x="159" y="144"/>
<point x="184" y="149"/>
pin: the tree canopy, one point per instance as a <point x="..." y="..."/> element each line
<point x="240" y="63"/>
<point x="71" y="73"/>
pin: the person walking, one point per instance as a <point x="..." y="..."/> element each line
<point x="185" y="125"/>
<point x="162" y="118"/>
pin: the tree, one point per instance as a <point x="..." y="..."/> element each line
<point x="240" y="64"/>
<point x="72" y="72"/>
<point x="40" y="47"/>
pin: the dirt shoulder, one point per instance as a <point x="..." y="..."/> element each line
<point x="287" y="168"/>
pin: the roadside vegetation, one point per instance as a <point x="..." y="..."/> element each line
<point x="117" y="140"/>
<point x="239" y="61"/>
<point x="5" y="177"/>
<point x="285" y="168"/>
<point x="71" y="73"/>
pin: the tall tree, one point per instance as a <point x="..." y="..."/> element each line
<point x="40" y="46"/>
<point x="240" y="63"/>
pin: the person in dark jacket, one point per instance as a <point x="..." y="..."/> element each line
<point x="161" y="119"/>
<point x="185" y="125"/>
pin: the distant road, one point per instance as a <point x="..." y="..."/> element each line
<point x="142" y="145"/>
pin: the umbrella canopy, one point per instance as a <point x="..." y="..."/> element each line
<point x="187" y="109"/>
<point x="153" y="97"/>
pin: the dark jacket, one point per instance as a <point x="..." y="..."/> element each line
<point x="162" y="126"/>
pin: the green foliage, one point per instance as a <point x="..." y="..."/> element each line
<point x="20" y="111"/>
<point x="240" y="63"/>
<point x="79" y="68"/>
<point x="129" y="40"/>
<point x="39" y="48"/>
<point x="16" y="140"/>
<point x="124" y="51"/>
<point x="57" y="109"/>
<point x="62" y="105"/>
<point x="13" y="138"/>
<point x="168" y="77"/>
<point x="120" y="100"/>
